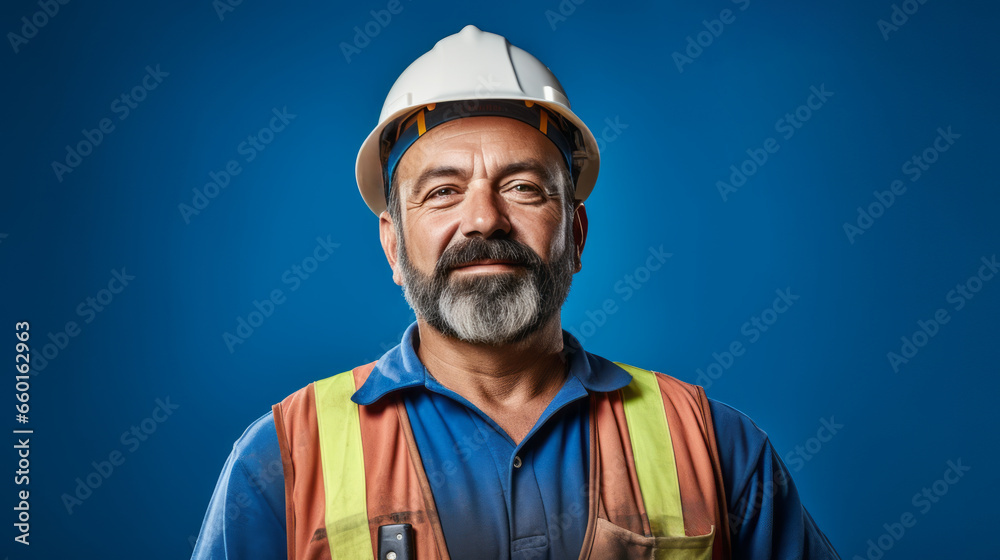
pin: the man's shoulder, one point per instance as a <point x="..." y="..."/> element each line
<point x="306" y="393"/>
<point x="733" y="427"/>
<point x="258" y="441"/>
<point x="263" y="432"/>
<point x="740" y="442"/>
<point x="736" y="425"/>
<point x="742" y="446"/>
<point x="670" y="381"/>
<point x="672" y="388"/>
<point x="723" y="415"/>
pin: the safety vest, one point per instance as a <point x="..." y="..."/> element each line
<point x="655" y="488"/>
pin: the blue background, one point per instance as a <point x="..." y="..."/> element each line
<point x="824" y="357"/>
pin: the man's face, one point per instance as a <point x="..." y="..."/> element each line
<point x="486" y="248"/>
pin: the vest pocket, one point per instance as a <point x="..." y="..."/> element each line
<point x="612" y="542"/>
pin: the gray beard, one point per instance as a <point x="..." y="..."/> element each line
<point x="496" y="308"/>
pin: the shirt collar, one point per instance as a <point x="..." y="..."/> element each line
<point x="400" y="368"/>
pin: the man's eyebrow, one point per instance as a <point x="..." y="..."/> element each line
<point x="535" y="166"/>
<point x="435" y="173"/>
<point x="529" y="165"/>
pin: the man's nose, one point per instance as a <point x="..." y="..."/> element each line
<point x="484" y="213"/>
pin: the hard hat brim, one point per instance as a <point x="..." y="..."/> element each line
<point x="368" y="167"/>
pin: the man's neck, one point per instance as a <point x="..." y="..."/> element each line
<point x="511" y="383"/>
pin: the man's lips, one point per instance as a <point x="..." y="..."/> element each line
<point x="487" y="263"/>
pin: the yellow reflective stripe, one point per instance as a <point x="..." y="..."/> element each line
<point x="653" y="452"/>
<point x="343" y="468"/>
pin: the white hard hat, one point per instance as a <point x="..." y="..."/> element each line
<point x="470" y="65"/>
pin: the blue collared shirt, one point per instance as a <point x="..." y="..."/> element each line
<point x="499" y="499"/>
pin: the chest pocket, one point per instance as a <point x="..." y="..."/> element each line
<point x="612" y="542"/>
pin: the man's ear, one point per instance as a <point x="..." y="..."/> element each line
<point x="579" y="233"/>
<point x="387" y="235"/>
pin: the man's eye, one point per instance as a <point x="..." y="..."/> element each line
<point x="443" y="191"/>
<point x="525" y="188"/>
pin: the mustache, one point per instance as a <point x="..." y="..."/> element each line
<point x="478" y="248"/>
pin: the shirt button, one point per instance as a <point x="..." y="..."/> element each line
<point x="517" y="462"/>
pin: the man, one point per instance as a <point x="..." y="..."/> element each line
<point x="489" y="432"/>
